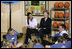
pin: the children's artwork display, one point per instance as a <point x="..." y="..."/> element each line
<point x="35" y="7"/>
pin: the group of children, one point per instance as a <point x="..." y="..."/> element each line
<point x="56" y="41"/>
<point x="60" y="40"/>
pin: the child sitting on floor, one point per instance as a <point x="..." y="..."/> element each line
<point x="58" y="45"/>
<point x="12" y="37"/>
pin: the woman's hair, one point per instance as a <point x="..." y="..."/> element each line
<point x="28" y="17"/>
<point x="46" y="11"/>
<point x="10" y="29"/>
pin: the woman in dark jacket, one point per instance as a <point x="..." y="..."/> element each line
<point x="45" y="25"/>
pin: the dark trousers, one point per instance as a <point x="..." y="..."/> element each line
<point x="43" y="32"/>
<point x="28" y="34"/>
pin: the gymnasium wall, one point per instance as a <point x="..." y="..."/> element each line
<point x="4" y="17"/>
<point x="18" y="15"/>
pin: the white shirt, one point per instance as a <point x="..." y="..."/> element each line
<point x="32" y="23"/>
<point x="61" y="34"/>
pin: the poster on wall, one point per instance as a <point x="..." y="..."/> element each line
<point x="35" y="7"/>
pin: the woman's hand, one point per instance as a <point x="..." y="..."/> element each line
<point x="28" y="27"/>
<point x="33" y="27"/>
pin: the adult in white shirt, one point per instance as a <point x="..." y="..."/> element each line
<point x="62" y="30"/>
<point x="31" y="24"/>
